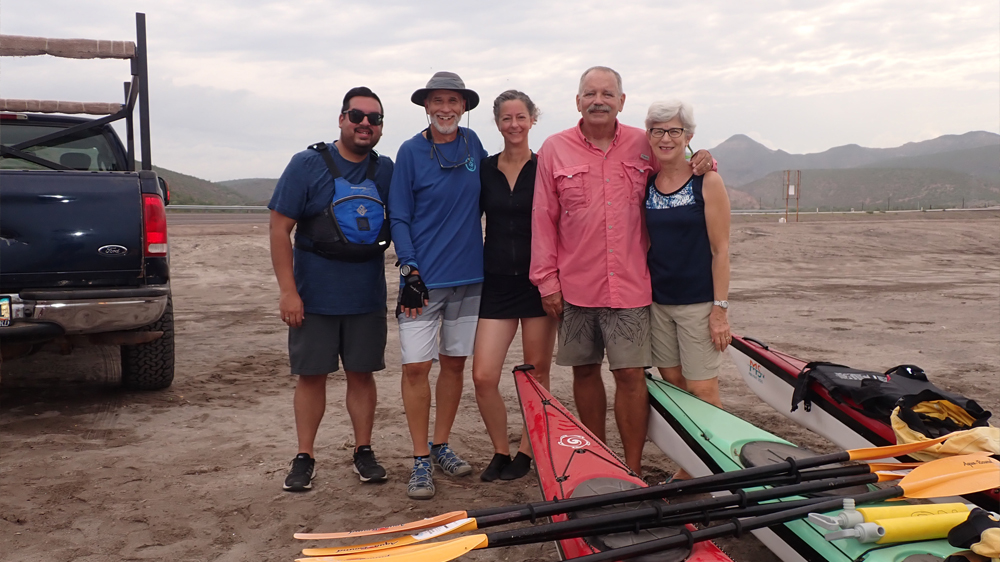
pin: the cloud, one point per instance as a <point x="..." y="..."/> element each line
<point x="238" y="86"/>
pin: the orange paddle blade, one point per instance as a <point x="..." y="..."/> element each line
<point x="952" y="476"/>
<point x="427" y="523"/>
<point x="892" y="450"/>
<point x="429" y="552"/>
<point x="467" y="524"/>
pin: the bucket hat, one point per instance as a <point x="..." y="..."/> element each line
<point x="446" y="81"/>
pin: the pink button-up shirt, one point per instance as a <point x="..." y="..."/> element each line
<point x="587" y="238"/>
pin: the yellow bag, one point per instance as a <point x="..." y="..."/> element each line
<point x="917" y="419"/>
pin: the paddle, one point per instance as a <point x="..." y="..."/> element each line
<point x="942" y="477"/>
<point x="469" y="524"/>
<point x="530" y="511"/>
<point x="587" y="525"/>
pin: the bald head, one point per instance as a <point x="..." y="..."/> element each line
<point x="602" y="69"/>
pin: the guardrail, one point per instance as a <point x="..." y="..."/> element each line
<point x="213" y="208"/>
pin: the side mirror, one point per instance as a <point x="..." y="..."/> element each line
<point x="165" y="189"/>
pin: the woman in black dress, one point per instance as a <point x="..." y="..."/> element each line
<point x="509" y="298"/>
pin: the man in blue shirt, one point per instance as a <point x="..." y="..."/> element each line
<point x="333" y="308"/>
<point x="437" y="233"/>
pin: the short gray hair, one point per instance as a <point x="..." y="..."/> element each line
<point x="511" y="95"/>
<point x="662" y="111"/>
<point x="618" y="77"/>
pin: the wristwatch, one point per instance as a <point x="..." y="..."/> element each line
<point x="724" y="305"/>
<point x="405" y="270"/>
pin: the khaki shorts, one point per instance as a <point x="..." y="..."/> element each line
<point x="680" y="336"/>
<point x="585" y="333"/>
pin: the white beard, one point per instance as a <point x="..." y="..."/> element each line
<point x="445" y="130"/>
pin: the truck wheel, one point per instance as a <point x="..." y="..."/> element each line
<point x="150" y="366"/>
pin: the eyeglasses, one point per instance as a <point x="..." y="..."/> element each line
<point x="356" y="116"/>
<point x="448" y="164"/>
<point x="673" y="133"/>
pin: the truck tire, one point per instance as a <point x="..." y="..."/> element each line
<point x="150" y="366"/>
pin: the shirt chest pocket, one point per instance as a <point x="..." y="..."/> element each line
<point x="571" y="185"/>
<point x="637" y="173"/>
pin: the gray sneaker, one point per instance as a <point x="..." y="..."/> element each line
<point x="449" y="461"/>
<point x="421" y="486"/>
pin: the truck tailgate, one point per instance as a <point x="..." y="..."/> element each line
<point x="69" y="228"/>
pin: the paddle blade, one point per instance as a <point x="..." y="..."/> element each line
<point x="892" y="450"/>
<point x="427" y="523"/>
<point x="952" y="476"/>
<point x="431" y="552"/>
<point x="459" y="526"/>
<point x="401" y="550"/>
<point x="891" y="466"/>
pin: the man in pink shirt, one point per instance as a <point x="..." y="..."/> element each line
<point x="588" y="255"/>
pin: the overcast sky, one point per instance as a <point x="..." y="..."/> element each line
<point x="238" y="86"/>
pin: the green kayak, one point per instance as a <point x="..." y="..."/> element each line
<point x="704" y="440"/>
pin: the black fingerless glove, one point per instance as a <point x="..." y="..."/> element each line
<point x="414" y="292"/>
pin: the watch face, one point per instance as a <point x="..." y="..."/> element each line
<point x="405" y="270"/>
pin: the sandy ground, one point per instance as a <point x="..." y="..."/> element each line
<point x="90" y="473"/>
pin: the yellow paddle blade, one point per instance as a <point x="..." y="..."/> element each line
<point x="427" y="523"/>
<point x="892" y="450"/>
<point x="459" y="526"/>
<point x="431" y="552"/>
<point x="952" y="476"/>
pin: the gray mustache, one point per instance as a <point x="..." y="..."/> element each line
<point x="594" y="108"/>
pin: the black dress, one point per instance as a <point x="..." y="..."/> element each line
<point x="507" y="292"/>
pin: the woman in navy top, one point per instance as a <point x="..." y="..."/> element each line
<point x="687" y="218"/>
<point x="509" y="298"/>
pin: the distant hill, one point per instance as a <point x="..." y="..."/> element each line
<point x="254" y="189"/>
<point x="871" y="188"/>
<point x="189" y="190"/>
<point x="982" y="162"/>
<point x="743" y="160"/>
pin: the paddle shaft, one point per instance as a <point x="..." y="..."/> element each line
<point x="679" y="520"/>
<point x="735" y="527"/>
<point x="756" y="476"/>
<point x="584" y="526"/>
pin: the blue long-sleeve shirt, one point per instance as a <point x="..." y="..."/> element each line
<point x="434" y="212"/>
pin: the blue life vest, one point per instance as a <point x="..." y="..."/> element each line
<point x="355" y="226"/>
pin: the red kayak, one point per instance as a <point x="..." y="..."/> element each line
<point x="774" y="377"/>
<point x="571" y="462"/>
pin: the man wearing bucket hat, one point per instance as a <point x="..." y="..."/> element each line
<point x="436" y="229"/>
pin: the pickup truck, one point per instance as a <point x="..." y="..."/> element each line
<point x="84" y="258"/>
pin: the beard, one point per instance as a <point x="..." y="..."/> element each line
<point x="445" y="129"/>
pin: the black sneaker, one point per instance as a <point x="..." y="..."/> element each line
<point x="301" y="473"/>
<point x="366" y="467"/>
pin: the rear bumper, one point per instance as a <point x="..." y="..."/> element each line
<point x="79" y="311"/>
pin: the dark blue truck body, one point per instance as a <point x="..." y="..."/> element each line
<point x="83" y="242"/>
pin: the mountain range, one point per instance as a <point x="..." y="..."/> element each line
<point x="950" y="170"/>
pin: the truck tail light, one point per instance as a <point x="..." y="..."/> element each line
<point x="154" y="220"/>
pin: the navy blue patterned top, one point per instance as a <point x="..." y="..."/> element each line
<point x="680" y="255"/>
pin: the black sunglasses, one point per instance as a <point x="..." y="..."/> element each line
<point x="356" y="116"/>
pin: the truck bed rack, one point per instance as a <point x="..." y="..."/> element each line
<point x="136" y="90"/>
